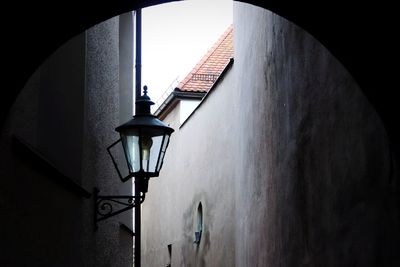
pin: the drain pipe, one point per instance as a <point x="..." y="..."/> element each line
<point x="138" y="85"/>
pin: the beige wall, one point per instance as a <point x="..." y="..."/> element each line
<point x="315" y="184"/>
<point x="194" y="171"/>
<point x="288" y="158"/>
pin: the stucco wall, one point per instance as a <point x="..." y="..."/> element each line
<point x="67" y="113"/>
<point x="290" y="161"/>
<point x="194" y="171"/>
<point x="315" y="185"/>
<point x="108" y="101"/>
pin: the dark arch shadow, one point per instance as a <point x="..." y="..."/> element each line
<point x="362" y="37"/>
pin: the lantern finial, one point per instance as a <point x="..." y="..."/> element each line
<point x="143" y="103"/>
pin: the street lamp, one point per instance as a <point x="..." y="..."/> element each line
<point x="144" y="140"/>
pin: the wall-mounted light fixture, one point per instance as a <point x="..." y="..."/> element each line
<point x="144" y="139"/>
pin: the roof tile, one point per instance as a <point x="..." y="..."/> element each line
<point x="202" y="77"/>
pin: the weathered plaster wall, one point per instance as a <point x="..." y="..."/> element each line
<point x="290" y="161"/>
<point x="67" y="112"/>
<point x="315" y="185"/>
<point x="195" y="170"/>
<point x="108" y="102"/>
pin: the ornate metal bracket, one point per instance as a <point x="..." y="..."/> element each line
<point x="108" y="206"/>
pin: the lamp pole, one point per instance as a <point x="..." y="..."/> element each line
<point x="138" y="85"/>
<point x="137" y="225"/>
<point x="138" y="64"/>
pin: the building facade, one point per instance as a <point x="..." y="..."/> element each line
<point x="284" y="163"/>
<point x="53" y="154"/>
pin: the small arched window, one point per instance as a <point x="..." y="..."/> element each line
<point x="199" y="224"/>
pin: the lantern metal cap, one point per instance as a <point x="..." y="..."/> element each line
<point x="144" y="118"/>
<point x="144" y="121"/>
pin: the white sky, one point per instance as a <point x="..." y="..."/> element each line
<point x="175" y="36"/>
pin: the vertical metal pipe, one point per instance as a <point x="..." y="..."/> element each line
<point x="138" y="85"/>
<point x="138" y="63"/>
<point x="137" y="223"/>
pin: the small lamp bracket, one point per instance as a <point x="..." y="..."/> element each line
<point x="109" y="206"/>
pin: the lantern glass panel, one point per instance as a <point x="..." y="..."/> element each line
<point x="162" y="152"/>
<point x="132" y="152"/>
<point x="150" y="162"/>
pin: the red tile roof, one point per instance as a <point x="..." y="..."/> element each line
<point x="207" y="70"/>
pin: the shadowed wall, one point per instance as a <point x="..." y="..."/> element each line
<point x="53" y="152"/>
<point x="290" y="161"/>
<point x="316" y="183"/>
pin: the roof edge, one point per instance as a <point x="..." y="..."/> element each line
<point x="220" y="77"/>
<point x="206" y="56"/>
<point x="177" y="95"/>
